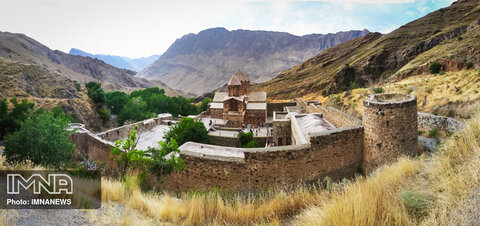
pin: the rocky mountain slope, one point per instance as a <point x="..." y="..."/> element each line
<point x="31" y="70"/>
<point x="447" y="35"/>
<point x="202" y="62"/>
<point x="134" y="64"/>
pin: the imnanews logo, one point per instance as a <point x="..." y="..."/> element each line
<point x="53" y="184"/>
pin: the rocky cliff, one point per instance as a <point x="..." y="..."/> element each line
<point x="202" y="62"/>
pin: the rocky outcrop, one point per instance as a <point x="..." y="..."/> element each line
<point x="428" y="121"/>
<point x="202" y="62"/>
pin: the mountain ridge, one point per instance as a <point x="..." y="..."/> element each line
<point x="374" y="59"/>
<point x="202" y="62"/>
<point x="134" y="64"/>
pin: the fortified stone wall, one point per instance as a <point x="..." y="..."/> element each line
<point x="390" y="123"/>
<point x="233" y="141"/>
<point x="122" y="131"/>
<point x="428" y="121"/>
<point x="336" y="153"/>
<point x="271" y="107"/>
<point x="93" y="148"/>
<point x="338" y="118"/>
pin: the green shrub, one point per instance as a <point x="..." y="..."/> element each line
<point x="352" y="85"/>
<point x="42" y="139"/>
<point x="95" y="92"/>
<point x="435" y="67"/>
<point x="247" y="140"/>
<point x="78" y="86"/>
<point x="203" y="106"/>
<point x="417" y="203"/>
<point x="469" y="64"/>
<point x="460" y="38"/>
<point x="324" y="92"/>
<point x="378" y="90"/>
<point x="432" y="132"/>
<point x="451" y="113"/>
<point x="126" y="154"/>
<point x="104" y="115"/>
<point x="187" y="130"/>
<point x="159" y="165"/>
<point x="442" y="72"/>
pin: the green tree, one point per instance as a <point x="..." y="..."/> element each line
<point x="435" y="67"/>
<point x="10" y="120"/>
<point x="126" y="154"/>
<point x="135" y="109"/>
<point x="188" y="130"/>
<point x="160" y="164"/>
<point x="247" y="140"/>
<point x="116" y="100"/>
<point x="43" y="140"/>
<point x="204" y="104"/>
<point x="95" y="92"/>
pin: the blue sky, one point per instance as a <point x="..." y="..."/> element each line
<point x="138" y="28"/>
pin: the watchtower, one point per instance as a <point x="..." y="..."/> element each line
<point x="390" y="128"/>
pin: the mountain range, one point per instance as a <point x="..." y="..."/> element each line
<point x="200" y="63"/>
<point x="448" y="35"/>
<point x="134" y="64"/>
<point x="29" y="69"/>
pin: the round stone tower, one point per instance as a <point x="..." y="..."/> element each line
<point x="390" y="128"/>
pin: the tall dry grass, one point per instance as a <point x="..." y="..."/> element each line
<point x="445" y="179"/>
<point x="212" y="207"/>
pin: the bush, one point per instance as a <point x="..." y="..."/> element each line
<point x="324" y="92"/>
<point x="78" y="86"/>
<point x="378" y="90"/>
<point x="247" y="140"/>
<point x="104" y="115"/>
<point x="442" y="72"/>
<point x="95" y="92"/>
<point x="126" y="154"/>
<point x="469" y="64"/>
<point x="352" y="85"/>
<point x="160" y="165"/>
<point x="417" y="203"/>
<point x="435" y="67"/>
<point x="43" y="140"/>
<point x="187" y="130"/>
<point x="432" y="132"/>
<point x="10" y="120"/>
<point x="203" y="106"/>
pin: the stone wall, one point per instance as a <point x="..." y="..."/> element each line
<point x="122" y="131"/>
<point x="216" y="113"/>
<point x="233" y="141"/>
<point x="271" y="107"/>
<point x="390" y="124"/>
<point x="94" y="148"/>
<point x="336" y="153"/>
<point x="338" y="118"/>
<point x="428" y="121"/>
<point x="255" y="117"/>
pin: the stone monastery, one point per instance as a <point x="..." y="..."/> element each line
<point x="310" y="141"/>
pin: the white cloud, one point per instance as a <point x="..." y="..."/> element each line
<point x="422" y="9"/>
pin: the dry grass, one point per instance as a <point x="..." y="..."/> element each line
<point x="447" y="178"/>
<point x="214" y="207"/>
<point x="372" y="201"/>
<point x="439" y="90"/>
